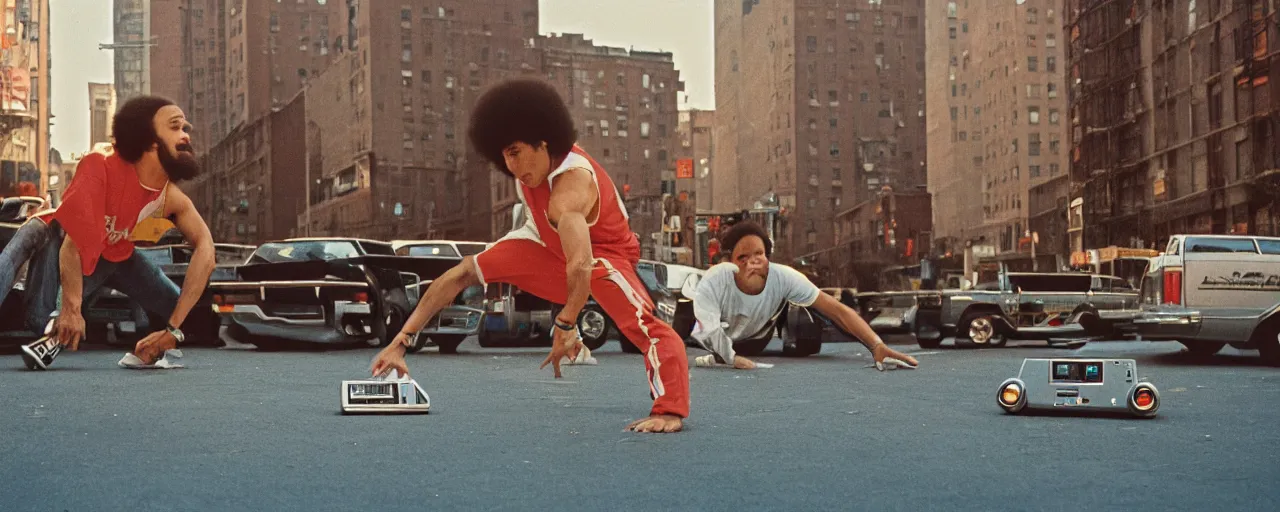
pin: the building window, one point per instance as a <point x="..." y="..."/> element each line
<point x="1053" y="116"/>
<point x="1032" y="16"/>
<point x="1053" y="90"/>
<point x="835" y="149"/>
<point x="1033" y="115"/>
<point x="1032" y="64"/>
<point x="1050" y="64"/>
<point x="811" y="44"/>
<point x="275" y="22"/>
<point x="1033" y="144"/>
<point x="1050" y="41"/>
<point x="644" y="129"/>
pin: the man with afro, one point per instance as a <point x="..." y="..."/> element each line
<point x="576" y="243"/>
<point x="85" y="243"/>
<point x="742" y="299"/>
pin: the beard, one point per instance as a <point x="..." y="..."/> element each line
<point x="180" y="167"/>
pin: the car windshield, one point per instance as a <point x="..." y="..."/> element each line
<point x="310" y="250"/>
<point x="429" y="250"/>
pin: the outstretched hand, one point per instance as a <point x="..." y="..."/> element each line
<point x="883" y="354"/>
<point x="563" y="346"/>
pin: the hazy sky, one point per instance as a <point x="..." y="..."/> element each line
<point x="679" y="26"/>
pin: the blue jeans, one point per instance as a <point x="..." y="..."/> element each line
<point x="39" y="244"/>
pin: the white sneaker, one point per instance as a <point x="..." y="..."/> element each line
<point x="706" y="361"/>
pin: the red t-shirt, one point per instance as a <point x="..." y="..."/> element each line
<point x="102" y="205"/>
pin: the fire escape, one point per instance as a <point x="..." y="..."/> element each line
<point x="1107" y="118"/>
<point x="1257" y="73"/>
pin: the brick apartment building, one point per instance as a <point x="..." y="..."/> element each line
<point x="273" y="48"/>
<point x="998" y="118"/>
<point x="1174" y="116"/>
<point x="819" y="105"/>
<point x="625" y="102"/>
<point x="254" y="185"/>
<point x="387" y="94"/>
<point x="387" y="119"/>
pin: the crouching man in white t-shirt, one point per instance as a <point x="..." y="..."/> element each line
<point x="741" y="300"/>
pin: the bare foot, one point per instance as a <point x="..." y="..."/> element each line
<point x="658" y="423"/>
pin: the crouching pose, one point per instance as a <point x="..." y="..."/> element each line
<point x="741" y="300"/>
<point x="85" y="243"/>
<point x="575" y="244"/>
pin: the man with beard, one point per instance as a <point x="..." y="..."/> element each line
<point x="742" y="300"/>
<point x="85" y="243"/>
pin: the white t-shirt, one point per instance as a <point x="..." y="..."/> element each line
<point x="725" y="314"/>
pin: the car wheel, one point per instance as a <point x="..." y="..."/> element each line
<point x="594" y="326"/>
<point x="448" y="343"/>
<point x="1267" y="339"/>
<point x="1202" y="348"/>
<point x="982" y="331"/>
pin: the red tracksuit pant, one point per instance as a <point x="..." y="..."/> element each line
<point x="616" y="287"/>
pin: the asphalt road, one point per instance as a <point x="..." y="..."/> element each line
<point x="244" y="430"/>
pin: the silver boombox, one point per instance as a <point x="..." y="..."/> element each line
<point x="1089" y="384"/>
<point x="384" y="396"/>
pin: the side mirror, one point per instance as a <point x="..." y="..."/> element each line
<point x="690" y="287"/>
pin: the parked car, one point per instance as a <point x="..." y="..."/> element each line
<point x="451" y="248"/>
<point x="331" y="291"/>
<point x="110" y="310"/>
<point x="514" y="318"/>
<point x="1028" y="306"/>
<point x="1207" y="291"/>
<point x="452" y="325"/>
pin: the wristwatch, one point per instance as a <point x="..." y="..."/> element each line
<point x="176" y="333"/>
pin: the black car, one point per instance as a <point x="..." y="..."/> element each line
<point x="326" y="291"/>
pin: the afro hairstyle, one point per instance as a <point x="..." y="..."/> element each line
<point x="133" y="126"/>
<point x="729" y="240"/>
<point x="524" y="110"/>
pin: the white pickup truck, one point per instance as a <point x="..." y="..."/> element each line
<point x="1206" y="291"/>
